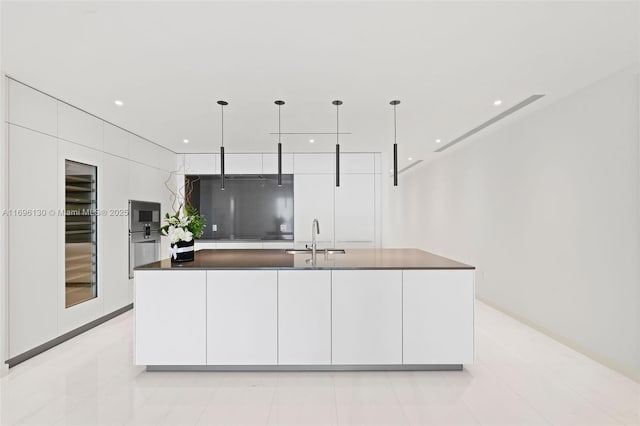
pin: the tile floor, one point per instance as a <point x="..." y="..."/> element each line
<point x="520" y="377"/>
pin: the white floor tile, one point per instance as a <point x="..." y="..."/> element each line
<point x="521" y="377"/>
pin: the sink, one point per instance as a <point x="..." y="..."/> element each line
<point x="319" y="251"/>
<point x="298" y="251"/>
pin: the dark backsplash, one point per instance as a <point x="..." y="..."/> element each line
<point x="251" y="207"/>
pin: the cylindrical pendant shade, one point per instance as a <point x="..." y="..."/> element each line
<point x="337" y="164"/>
<point x="279" y="164"/>
<point x="222" y="167"/>
<point x="395" y="164"/>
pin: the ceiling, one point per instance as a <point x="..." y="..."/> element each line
<point x="170" y="61"/>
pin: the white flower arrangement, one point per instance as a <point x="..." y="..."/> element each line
<point x="185" y="225"/>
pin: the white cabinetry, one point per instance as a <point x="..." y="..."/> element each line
<point x="238" y="164"/>
<point x="116" y="288"/>
<point x="438" y="316"/>
<point x="356" y="162"/>
<point x="77" y="126"/>
<point x="314" y="164"/>
<point x="242" y="317"/>
<point x="32" y="109"/>
<point x="313" y="198"/>
<point x="367" y="317"/>
<point x="116" y="141"/>
<point x="270" y="164"/>
<point x="170" y="317"/>
<point x="33" y="288"/>
<point x="201" y="164"/>
<point x="355" y="208"/>
<point x="304" y="317"/>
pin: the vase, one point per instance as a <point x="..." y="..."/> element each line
<point x="182" y="251"/>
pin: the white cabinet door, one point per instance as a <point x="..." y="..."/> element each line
<point x="355" y="210"/>
<point x="357" y="162"/>
<point x="77" y="126"/>
<point x="314" y="163"/>
<point x="32" y="109"/>
<point x="201" y="164"/>
<point x="116" y="141"/>
<point x="170" y="317"/>
<point x="367" y="317"/>
<point x="313" y="199"/>
<point x="304" y="317"/>
<point x="33" y="280"/>
<point x="114" y="245"/>
<point x="241" y="164"/>
<point x="438" y="316"/>
<point x="162" y="158"/>
<point x="270" y="164"/>
<point x="140" y="150"/>
<point x="242" y="317"/>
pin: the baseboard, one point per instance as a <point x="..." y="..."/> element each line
<point x="293" y="368"/>
<point x="12" y="362"/>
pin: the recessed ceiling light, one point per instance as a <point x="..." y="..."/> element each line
<point x="410" y="158"/>
<point x="185" y="140"/>
<point x="438" y="140"/>
<point x="311" y="140"/>
<point x="497" y="102"/>
<point x="118" y="102"/>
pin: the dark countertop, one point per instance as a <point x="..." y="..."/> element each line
<point x="279" y="259"/>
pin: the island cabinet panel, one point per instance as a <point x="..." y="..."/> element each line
<point x="170" y="317"/>
<point x="242" y="317"/>
<point x="304" y="317"/>
<point x="367" y="317"/>
<point x="438" y="316"/>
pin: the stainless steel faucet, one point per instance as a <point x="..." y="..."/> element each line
<point x="315" y="230"/>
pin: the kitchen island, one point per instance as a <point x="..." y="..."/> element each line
<point x="366" y="309"/>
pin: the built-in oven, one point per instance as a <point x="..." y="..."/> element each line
<point x="144" y="233"/>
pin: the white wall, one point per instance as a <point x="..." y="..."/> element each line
<point x="548" y="209"/>
<point x="3" y="220"/>
<point x="42" y="133"/>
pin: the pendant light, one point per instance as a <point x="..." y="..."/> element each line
<point x="222" y="105"/>
<point x="395" y="143"/>
<point x="279" y="103"/>
<point x="337" y="104"/>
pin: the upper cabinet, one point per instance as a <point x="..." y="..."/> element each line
<point x="201" y="164"/>
<point x="145" y="152"/>
<point x="239" y="164"/>
<point x="270" y="164"/>
<point x="77" y="126"/>
<point x="116" y="141"/>
<point x="352" y="162"/>
<point x="32" y="109"/>
<point x="314" y="163"/>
